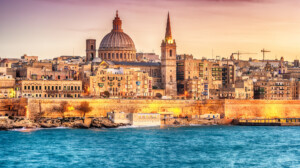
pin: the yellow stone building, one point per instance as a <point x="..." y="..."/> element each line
<point x="7" y="83"/>
<point x="51" y="88"/>
<point x="275" y="89"/>
<point x="119" y="82"/>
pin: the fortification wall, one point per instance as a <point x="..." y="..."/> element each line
<point x="235" y="109"/>
<point x="13" y="107"/>
<point x="100" y="107"/>
<point x="230" y="109"/>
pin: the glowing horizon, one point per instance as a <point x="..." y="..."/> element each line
<point x="51" y="28"/>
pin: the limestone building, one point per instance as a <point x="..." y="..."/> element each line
<point x="119" y="82"/>
<point x="7" y="84"/>
<point x="51" y="88"/>
<point x="275" y="89"/>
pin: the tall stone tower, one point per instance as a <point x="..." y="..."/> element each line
<point x="90" y="49"/>
<point x="168" y="62"/>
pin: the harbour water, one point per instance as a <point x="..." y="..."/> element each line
<point x="198" y="146"/>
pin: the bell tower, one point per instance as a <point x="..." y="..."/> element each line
<point x="90" y="50"/>
<point x="168" y="62"/>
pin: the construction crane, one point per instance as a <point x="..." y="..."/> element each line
<point x="238" y="55"/>
<point x="264" y="51"/>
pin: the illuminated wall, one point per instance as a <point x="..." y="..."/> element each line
<point x="226" y="108"/>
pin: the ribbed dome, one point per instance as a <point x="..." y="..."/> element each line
<point x="118" y="41"/>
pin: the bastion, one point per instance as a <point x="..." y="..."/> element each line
<point x="229" y="109"/>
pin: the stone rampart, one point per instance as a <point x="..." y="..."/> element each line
<point x="236" y="109"/>
<point x="230" y="109"/>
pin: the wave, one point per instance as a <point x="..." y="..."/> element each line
<point x="35" y="129"/>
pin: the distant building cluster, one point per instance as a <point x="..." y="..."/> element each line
<point x="116" y="70"/>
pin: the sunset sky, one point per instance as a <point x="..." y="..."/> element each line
<point x="50" y="28"/>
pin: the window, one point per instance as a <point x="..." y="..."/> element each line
<point x="25" y="87"/>
<point x="40" y="88"/>
<point x="92" y="47"/>
<point x="58" y="77"/>
<point x="32" y="87"/>
<point x="170" y="53"/>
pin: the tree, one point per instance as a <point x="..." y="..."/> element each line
<point x="63" y="108"/>
<point x="85" y="108"/>
<point x="106" y="94"/>
<point x="158" y="95"/>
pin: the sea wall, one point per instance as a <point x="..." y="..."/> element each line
<point x="100" y="107"/>
<point x="13" y="107"/>
<point x="229" y="109"/>
<point x="236" y="109"/>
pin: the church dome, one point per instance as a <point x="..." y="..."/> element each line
<point x="117" y="40"/>
<point x="117" y="45"/>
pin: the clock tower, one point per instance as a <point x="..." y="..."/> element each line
<point x="168" y="62"/>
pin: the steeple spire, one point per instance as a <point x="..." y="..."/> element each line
<point x="168" y="35"/>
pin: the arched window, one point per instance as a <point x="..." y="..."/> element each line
<point x="108" y="55"/>
<point x="121" y="56"/>
<point x="92" y="55"/>
<point x="92" y="47"/>
<point x="117" y="55"/>
<point x="170" y="53"/>
<point x="125" y="56"/>
<point x="104" y="55"/>
<point x="113" y="55"/>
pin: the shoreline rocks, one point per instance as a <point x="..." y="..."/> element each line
<point x="86" y="123"/>
<point x="73" y="122"/>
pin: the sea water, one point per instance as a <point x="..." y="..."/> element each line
<point x="197" y="146"/>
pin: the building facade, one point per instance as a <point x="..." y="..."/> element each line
<point x="120" y="82"/>
<point x="51" y="88"/>
<point x="7" y="85"/>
